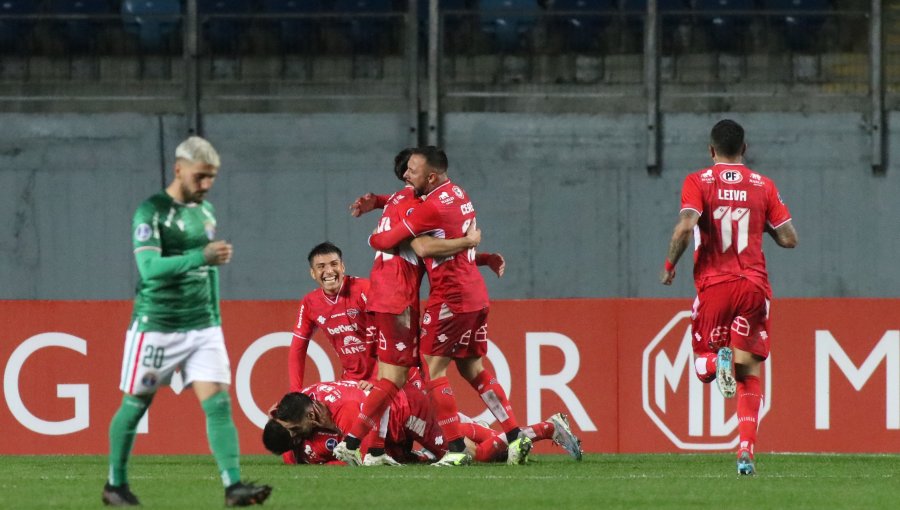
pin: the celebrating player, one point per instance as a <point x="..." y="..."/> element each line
<point x="454" y="325"/>
<point x="309" y="424"/>
<point x="726" y="208"/>
<point x="176" y="322"/>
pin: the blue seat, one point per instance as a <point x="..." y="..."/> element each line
<point x="80" y="34"/>
<point x="725" y="22"/>
<point x="799" y="28"/>
<point x="222" y="31"/>
<point x="14" y="32"/>
<point x="152" y="21"/>
<point x="508" y="22"/>
<point x="365" y="32"/>
<point x="295" y="33"/>
<point x="581" y="22"/>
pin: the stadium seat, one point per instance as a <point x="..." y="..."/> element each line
<point x="14" y="32"/>
<point x="364" y="32"/>
<point x="726" y="22"/>
<point x="581" y="22"/>
<point x="799" y="29"/>
<point x="217" y="27"/>
<point x="508" y="22"/>
<point x="80" y="34"/>
<point x="295" y="33"/>
<point x="152" y="21"/>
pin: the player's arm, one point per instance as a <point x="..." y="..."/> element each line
<point x="367" y="203"/>
<point x="432" y="247"/>
<point x="681" y="236"/>
<point x="423" y="219"/>
<point x="785" y="235"/>
<point x="303" y="331"/>
<point x="495" y="261"/>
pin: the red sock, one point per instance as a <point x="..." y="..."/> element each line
<point x="490" y="449"/>
<point x="378" y="400"/>
<point x="749" y="397"/>
<point x="444" y="402"/>
<point x="539" y="431"/>
<point x="493" y="395"/>
<point x="705" y="367"/>
<point x="476" y="432"/>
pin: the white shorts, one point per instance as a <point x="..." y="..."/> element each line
<point x="151" y="358"/>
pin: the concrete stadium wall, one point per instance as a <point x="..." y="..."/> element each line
<point x="566" y="198"/>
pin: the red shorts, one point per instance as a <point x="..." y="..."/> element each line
<point x="450" y="335"/>
<point x="734" y="314"/>
<point x="396" y="336"/>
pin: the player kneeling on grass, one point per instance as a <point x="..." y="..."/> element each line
<point x="309" y="425"/>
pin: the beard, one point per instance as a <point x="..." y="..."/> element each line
<point x="191" y="196"/>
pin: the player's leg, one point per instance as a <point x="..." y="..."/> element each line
<point x="207" y="370"/>
<point x="491" y="392"/>
<point x="142" y="370"/>
<point x="711" y="319"/>
<point x="750" y="338"/>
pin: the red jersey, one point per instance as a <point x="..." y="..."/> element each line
<point x="735" y="205"/>
<point x="342" y="320"/>
<point x="396" y="274"/>
<point x="318" y="449"/>
<point x="445" y="213"/>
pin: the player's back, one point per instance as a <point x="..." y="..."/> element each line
<point x="454" y="280"/>
<point x="735" y="204"/>
<point x="396" y="276"/>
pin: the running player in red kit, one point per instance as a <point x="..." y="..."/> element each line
<point x="726" y="208"/>
<point x="454" y="326"/>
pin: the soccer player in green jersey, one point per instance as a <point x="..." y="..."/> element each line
<point x="176" y="322"/>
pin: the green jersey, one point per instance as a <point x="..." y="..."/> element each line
<point x="177" y="290"/>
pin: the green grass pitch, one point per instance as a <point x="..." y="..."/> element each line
<point x="548" y="482"/>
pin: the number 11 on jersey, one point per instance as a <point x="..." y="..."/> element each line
<point x="726" y="215"/>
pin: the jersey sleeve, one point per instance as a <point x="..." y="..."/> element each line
<point x="423" y="219"/>
<point x="777" y="214"/>
<point x="299" y="344"/>
<point x="148" y="250"/>
<point x="691" y="195"/>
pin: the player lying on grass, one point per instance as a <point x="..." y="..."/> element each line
<point x="311" y="423"/>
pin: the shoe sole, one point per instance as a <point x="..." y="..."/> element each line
<point x="725" y="373"/>
<point x="524" y="450"/>
<point x="561" y="422"/>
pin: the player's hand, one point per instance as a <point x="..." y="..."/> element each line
<point x="362" y="205"/>
<point x="217" y="253"/>
<point x="666" y="277"/>
<point x="497" y="264"/>
<point x="473" y="235"/>
<point x="365" y="385"/>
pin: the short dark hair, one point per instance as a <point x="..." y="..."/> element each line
<point x="324" y="249"/>
<point x="276" y="438"/>
<point x="400" y="162"/>
<point x="727" y="137"/>
<point x="435" y="158"/>
<point x="293" y="406"/>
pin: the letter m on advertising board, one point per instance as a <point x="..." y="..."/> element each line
<point x="693" y="415"/>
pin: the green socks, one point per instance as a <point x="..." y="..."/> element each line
<point x="122" y="429"/>
<point x="222" y="435"/>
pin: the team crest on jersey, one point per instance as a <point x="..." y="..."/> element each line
<point x="143" y="232"/>
<point x="210" y="229"/>
<point x="426" y="319"/>
<point x="731" y="176"/>
<point x="352" y="313"/>
<point x="458" y="192"/>
<point x="321" y="320"/>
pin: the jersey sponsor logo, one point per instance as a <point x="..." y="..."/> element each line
<point x="733" y="194"/>
<point x="780" y="199"/>
<point x="467" y="208"/>
<point x="458" y="192"/>
<point x="143" y="233"/>
<point x="442" y="338"/>
<point x="401" y="346"/>
<point x="756" y="179"/>
<point x="445" y="198"/>
<point x="707" y="176"/>
<point x="300" y="318"/>
<point x="340" y="329"/>
<point x="731" y="176"/>
<point x="353" y="312"/>
<point x="352" y="340"/>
